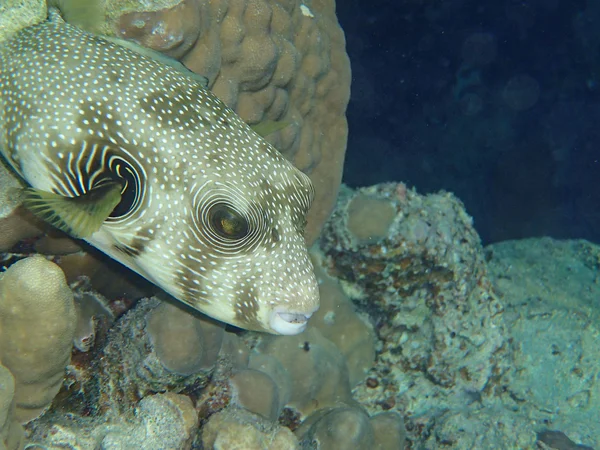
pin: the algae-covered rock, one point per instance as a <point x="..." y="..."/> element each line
<point x="166" y="421"/>
<point x="237" y="429"/>
<point x="157" y="347"/>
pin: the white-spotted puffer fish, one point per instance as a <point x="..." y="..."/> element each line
<point x="139" y="159"/>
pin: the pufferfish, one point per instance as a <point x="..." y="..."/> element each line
<point x="138" y="158"/>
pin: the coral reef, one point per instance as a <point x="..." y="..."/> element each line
<point x="153" y="348"/>
<point x="412" y="345"/>
<point x="238" y="387"/>
<point x="428" y="255"/>
<point x="415" y="265"/>
<point x="427" y="339"/>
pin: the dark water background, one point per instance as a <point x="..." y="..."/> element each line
<point x="496" y="102"/>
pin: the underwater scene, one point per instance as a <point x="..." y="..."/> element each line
<point x="299" y="224"/>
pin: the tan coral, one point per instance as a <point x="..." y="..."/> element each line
<point x="341" y="427"/>
<point x="315" y="366"/>
<point x="257" y="392"/>
<point x="37" y="325"/>
<point x="172" y="28"/>
<point x="183" y="344"/>
<point x="11" y="432"/>
<point x="338" y="321"/>
<point x="18" y="14"/>
<point x="346" y="427"/>
<point x="269" y="60"/>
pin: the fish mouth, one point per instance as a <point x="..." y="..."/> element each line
<point x="288" y="323"/>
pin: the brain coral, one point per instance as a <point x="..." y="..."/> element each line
<point x="269" y="60"/>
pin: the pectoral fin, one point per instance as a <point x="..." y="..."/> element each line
<point x="78" y="216"/>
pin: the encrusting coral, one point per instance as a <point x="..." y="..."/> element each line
<point x="158" y="347"/>
<point x="431" y="259"/>
<point x="421" y="276"/>
<point x="166" y="421"/>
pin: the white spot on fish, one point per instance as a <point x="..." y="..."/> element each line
<point x="215" y="214"/>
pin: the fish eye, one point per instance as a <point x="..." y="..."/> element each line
<point x="227" y="222"/>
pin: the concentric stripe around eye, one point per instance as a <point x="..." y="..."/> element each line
<point x="217" y="195"/>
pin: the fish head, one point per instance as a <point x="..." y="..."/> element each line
<point x="228" y="242"/>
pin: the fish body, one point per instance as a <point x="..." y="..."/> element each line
<point x="197" y="202"/>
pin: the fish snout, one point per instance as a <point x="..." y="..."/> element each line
<point x="288" y="322"/>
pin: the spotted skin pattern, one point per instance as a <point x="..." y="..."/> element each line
<point x="76" y="109"/>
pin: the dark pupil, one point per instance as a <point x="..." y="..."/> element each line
<point x="228" y="223"/>
<point x="128" y="191"/>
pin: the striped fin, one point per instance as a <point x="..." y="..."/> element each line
<point x="78" y="216"/>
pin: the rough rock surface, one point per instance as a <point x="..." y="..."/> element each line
<point x="424" y="281"/>
<point x="415" y="265"/>
<point x="551" y="292"/>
